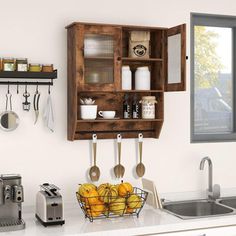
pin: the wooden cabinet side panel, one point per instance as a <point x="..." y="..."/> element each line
<point x="117" y="58"/>
<point x="79" y="57"/>
<point x="71" y="83"/>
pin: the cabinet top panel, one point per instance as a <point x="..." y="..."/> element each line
<point x="114" y="25"/>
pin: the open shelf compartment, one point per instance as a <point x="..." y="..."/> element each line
<point x="129" y="128"/>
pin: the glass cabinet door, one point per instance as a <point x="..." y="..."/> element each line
<point x="176" y="59"/>
<point x="101" y="55"/>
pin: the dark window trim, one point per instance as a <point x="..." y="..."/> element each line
<point x="219" y="21"/>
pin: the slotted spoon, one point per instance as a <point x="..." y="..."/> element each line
<point x="119" y="170"/>
<point x="94" y="171"/>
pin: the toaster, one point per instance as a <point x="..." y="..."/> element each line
<point x="49" y="205"/>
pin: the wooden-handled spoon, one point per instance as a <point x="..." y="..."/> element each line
<point x="140" y="168"/>
<point x="94" y="171"/>
<point x="119" y="170"/>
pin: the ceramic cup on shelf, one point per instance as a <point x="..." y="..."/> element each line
<point x="88" y="112"/>
<point x="107" y="114"/>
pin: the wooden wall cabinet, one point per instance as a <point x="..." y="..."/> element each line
<point x="96" y="53"/>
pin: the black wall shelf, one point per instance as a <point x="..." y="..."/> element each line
<point x="30" y="78"/>
<point x="28" y="75"/>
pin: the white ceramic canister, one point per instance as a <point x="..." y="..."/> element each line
<point x="88" y="112"/>
<point x="148" y="107"/>
<point x="142" y="78"/>
<point x="126" y="78"/>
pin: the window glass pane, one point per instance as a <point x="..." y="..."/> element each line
<point x="213" y="85"/>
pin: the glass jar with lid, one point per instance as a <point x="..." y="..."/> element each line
<point x="47" y="68"/>
<point x="21" y="64"/>
<point x="148" y="107"/>
<point x="8" y="64"/>
<point x="33" y="67"/>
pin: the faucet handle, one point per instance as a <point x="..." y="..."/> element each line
<point x="216" y="191"/>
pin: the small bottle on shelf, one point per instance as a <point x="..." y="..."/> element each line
<point x="135" y="108"/>
<point x="126" y="107"/>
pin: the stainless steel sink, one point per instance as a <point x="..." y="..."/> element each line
<point x="230" y="202"/>
<point x="197" y="209"/>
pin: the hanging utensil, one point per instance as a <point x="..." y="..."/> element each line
<point x="140" y="168"/>
<point x="94" y="171"/>
<point x="36" y="104"/>
<point x="9" y="120"/>
<point x="26" y="103"/>
<point x="119" y="170"/>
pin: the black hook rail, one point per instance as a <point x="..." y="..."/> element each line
<point x="34" y="78"/>
<point x="26" y="83"/>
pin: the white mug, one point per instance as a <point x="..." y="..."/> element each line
<point x="88" y="112"/>
<point x="107" y="114"/>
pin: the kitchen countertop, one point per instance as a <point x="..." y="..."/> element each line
<point x="150" y="221"/>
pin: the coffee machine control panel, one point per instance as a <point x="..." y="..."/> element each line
<point x="18" y="195"/>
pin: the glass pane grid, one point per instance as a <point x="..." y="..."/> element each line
<point x="99" y="72"/>
<point x="98" y="45"/>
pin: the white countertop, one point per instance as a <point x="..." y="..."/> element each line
<point x="150" y="221"/>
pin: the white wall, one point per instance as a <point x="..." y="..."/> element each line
<point x="35" y="29"/>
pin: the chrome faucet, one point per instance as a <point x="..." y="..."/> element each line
<point x="212" y="191"/>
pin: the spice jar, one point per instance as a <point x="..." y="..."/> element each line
<point x="0" y="64"/>
<point x="35" y="67"/>
<point x="47" y="68"/>
<point x="148" y="107"/>
<point x="21" y="64"/>
<point x="8" y="64"/>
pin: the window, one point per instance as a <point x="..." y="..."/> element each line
<point x="213" y="106"/>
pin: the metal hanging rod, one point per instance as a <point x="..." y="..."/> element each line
<point x="26" y="83"/>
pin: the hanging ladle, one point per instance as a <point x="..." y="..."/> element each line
<point x="140" y="168"/>
<point x="94" y="171"/>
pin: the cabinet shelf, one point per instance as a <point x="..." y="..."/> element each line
<point x="98" y="58"/>
<point x="142" y="59"/>
<point x="124" y="91"/>
<point x="119" y="120"/>
<point x="141" y="91"/>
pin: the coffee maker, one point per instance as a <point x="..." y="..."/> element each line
<point x="11" y="198"/>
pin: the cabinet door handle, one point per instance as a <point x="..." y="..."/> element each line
<point x="202" y="235"/>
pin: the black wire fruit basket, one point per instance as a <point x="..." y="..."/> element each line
<point x="130" y="205"/>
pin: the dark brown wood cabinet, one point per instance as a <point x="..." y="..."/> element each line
<point x="99" y="76"/>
